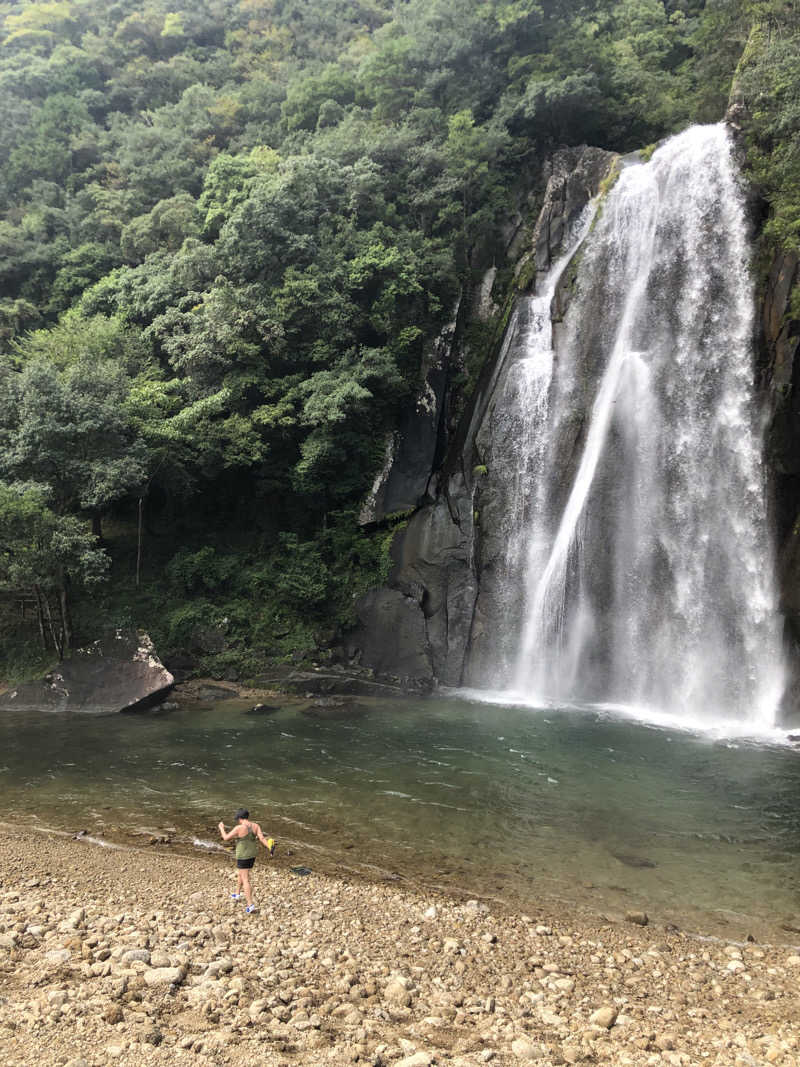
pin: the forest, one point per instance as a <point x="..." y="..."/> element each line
<point x="230" y="233"/>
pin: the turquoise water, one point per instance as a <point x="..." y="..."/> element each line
<point x="504" y="802"/>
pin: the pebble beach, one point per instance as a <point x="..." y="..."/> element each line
<point x="136" y="956"/>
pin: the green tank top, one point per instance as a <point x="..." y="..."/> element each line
<point x="246" y="847"/>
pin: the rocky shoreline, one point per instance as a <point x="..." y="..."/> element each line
<point x="137" y="957"/>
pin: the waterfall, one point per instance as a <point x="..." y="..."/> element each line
<point x="515" y="438"/>
<point x="638" y="549"/>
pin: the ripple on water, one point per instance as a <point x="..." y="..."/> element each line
<point x="708" y="816"/>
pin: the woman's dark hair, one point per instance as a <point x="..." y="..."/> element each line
<point x="242" y="813"/>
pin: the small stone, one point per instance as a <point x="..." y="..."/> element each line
<point x="604" y="1017"/>
<point x="257" y="1008"/>
<point x="524" y="1049"/>
<point x="113" y="1014"/>
<point x="396" y="993"/>
<point x="135" y="955"/>
<point x="549" y="1018"/>
<point x="477" y="906"/>
<point x="419" y="1059"/>
<point x="793" y="961"/>
<point x="638" y="918"/>
<point x="430" y="913"/>
<point x="58" y="955"/>
<point x="162" y="976"/>
<point x="217" y="967"/>
<point x="666" y="1042"/>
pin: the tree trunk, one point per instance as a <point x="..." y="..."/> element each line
<point x="97" y="525"/>
<point x="139" y="542"/>
<point x="40" y="616"/>
<point x="66" y="621"/>
<point x="58" y="643"/>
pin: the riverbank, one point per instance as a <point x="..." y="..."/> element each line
<point x="136" y="957"/>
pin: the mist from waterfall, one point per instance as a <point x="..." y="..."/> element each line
<point x="639" y="552"/>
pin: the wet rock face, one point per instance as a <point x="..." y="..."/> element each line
<point x="573" y="179"/>
<point x="411" y="451"/>
<point x="781" y="336"/>
<point x="391" y="638"/>
<point x="439" y="617"/>
<point x="418" y="628"/>
<point x="782" y="341"/>
<point x="118" y="673"/>
<point x="441" y="605"/>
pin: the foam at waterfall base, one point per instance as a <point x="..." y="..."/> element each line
<point x="715" y="727"/>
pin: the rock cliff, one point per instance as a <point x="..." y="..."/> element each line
<point x="438" y="606"/>
<point x="436" y="619"/>
<point x="781" y="345"/>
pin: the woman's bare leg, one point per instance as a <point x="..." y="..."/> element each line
<point x="248" y="892"/>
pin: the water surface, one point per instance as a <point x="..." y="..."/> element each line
<point x="506" y="802"/>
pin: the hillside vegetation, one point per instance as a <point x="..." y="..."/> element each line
<point x="230" y="232"/>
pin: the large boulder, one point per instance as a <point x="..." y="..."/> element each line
<point x="120" y="672"/>
<point x="391" y="637"/>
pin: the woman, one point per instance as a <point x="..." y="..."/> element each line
<point x="245" y="833"/>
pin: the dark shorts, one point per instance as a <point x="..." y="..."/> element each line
<point x="245" y="865"/>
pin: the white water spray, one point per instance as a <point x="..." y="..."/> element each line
<point x="640" y="531"/>
<point x="517" y="436"/>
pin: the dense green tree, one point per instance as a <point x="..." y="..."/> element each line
<point x="44" y="555"/>
<point x="768" y="83"/>
<point x="230" y="232"/>
<point x="63" y="418"/>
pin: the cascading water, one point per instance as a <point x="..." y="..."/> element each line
<point x="516" y="440"/>
<point x="640" y="529"/>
